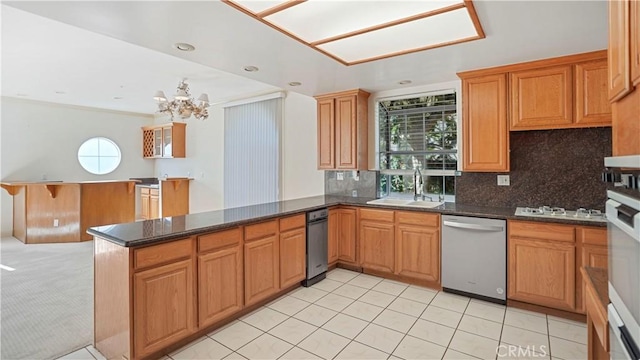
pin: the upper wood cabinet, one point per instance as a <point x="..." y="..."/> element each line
<point x="343" y="130"/>
<point x="485" y="133"/>
<point x="541" y="98"/>
<point x="634" y="27"/>
<point x="619" y="49"/>
<point x="164" y="141"/>
<point x="591" y="100"/>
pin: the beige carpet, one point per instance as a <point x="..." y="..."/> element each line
<point x="46" y="307"/>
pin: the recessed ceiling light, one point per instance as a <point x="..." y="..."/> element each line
<point x="251" y="68"/>
<point x="295" y="83"/>
<point x="117" y="98"/>
<point x="184" y="47"/>
<point x="21" y="94"/>
<point x="404" y="82"/>
<point x="60" y="92"/>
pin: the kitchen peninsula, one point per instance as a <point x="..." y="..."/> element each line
<point x="57" y="211"/>
<point x="162" y="283"/>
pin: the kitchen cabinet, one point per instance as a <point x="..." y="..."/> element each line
<point x="377" y="240"/>
<point x="591" y="246"/>
<point x="164" y="141"/>
<point x="591" y="98"/>
<point x="485" y="133"/>
<point x="342" y="236"/>
<point x="343" y="130"/>
<point x="541" y="264"/>
<point x="292" y="250"/>
<point x="634" y="37"/>
<point x="261" y="261"/>
<point x="163" y="293"/>
<point x="619" y="49"/>
<point x="149" y="203"/>
<point x="418" y="246"/>
<point x="541" y="98"/>
<point x="220" y="276"/>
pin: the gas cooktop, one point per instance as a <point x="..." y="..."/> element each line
<point x="560" y="213"/>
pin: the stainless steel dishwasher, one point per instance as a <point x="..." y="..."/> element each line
<point x="317" y="251"/>
<point x="474" y="257"/>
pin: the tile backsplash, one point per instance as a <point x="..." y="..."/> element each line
<point x="548" y="167"/>
<point x="365" y="186"/>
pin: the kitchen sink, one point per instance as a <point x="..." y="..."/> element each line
<point x="407" y="203"/>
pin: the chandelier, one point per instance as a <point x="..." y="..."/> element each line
<point x="182" y="104"/>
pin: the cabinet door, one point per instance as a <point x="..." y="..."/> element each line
<point x="220" y="285"/>
<point x="167" y="142"/>
<point x="261" y="269"/>
<point x="332" y="246"/>
<point x="377" y="246"/>
<point x="485" y="131"/>
<point x="635" y="42"/>
<point x="157" y="142"/>
<point x="418" y="252"/>
<point x="542" y="273"/>
<point x="292" y="257"/>
<point x="593" y="256"/>
<point x="144" y="206"/>
<point x="346" y="132"/>
<point x="592" y="99"/>
<point x="618" y="51"/>
<point x="154" y="206"/>
<point x="163" y="306"/>
<point x="326" y="134"/>
<point x="542" y="98"/>
<point x="347" y="235"/>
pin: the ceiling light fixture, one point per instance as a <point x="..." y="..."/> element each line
<point x="404" y="82"/>
<point x="21" y="94"/>
<point x="182" y="103"/>
<point x="60" y="92"/>
<point x="251" y="68"/>
<point x="295" y="83"/>
<point x="184" y="47"/>
<point x="117" y="98"/>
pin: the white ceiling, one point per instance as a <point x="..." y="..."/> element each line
<point x="42" y="55"/>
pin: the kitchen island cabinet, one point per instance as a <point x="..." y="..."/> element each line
<point x="56" y="211"/>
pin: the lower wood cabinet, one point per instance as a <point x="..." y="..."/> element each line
<point x="163" y="307"/>
<point x="293" y="245"/>
<point x="418" y="252"/>
<point x="542" y="273"/>
<point x="220" y="284"/>
<point x="377" y="240"/>
<point x="261" y="268"/>
<point x="545" y="260"/>
<point x="149" y="203"/>
<point x="342" y="236"/>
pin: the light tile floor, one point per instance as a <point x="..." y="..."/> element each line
<point x="357" y="316"/>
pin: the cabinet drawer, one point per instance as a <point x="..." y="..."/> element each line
<point x="376" y="215"/>
<point x="258" y="231"/>
<point x="144" y="191"/>
<point x="592" y="235"/>
<point x="418" y="218"/>
<point x="542" y="231"/>
<point x="159" y="254"/>
<point x="292" y="222"/>
<point x="599" y="318"/>
<point x="219" y="240"/>
<point x="155" y="192"/>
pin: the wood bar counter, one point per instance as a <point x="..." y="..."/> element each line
<point x="55" y="212"/>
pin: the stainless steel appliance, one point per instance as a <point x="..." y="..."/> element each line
<point x="623" y="237"/>
<point x="317" y="251"/>
<point x="557" y="212"/>
<point x="474" y="257"/>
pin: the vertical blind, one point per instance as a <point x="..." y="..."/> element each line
<point x="252" y="153"/>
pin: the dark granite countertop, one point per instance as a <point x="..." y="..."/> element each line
<point x="598" y="279"/>
<point x="166" y="229"/>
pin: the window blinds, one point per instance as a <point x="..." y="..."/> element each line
<point x="252" y="153"/>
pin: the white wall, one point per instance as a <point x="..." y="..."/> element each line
<point x="41" y="138"/>
<point x="205" y="155"/>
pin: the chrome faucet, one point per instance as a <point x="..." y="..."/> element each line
<point x="417" y="185"/>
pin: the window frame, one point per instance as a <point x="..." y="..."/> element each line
<point x="98" y="139"/>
